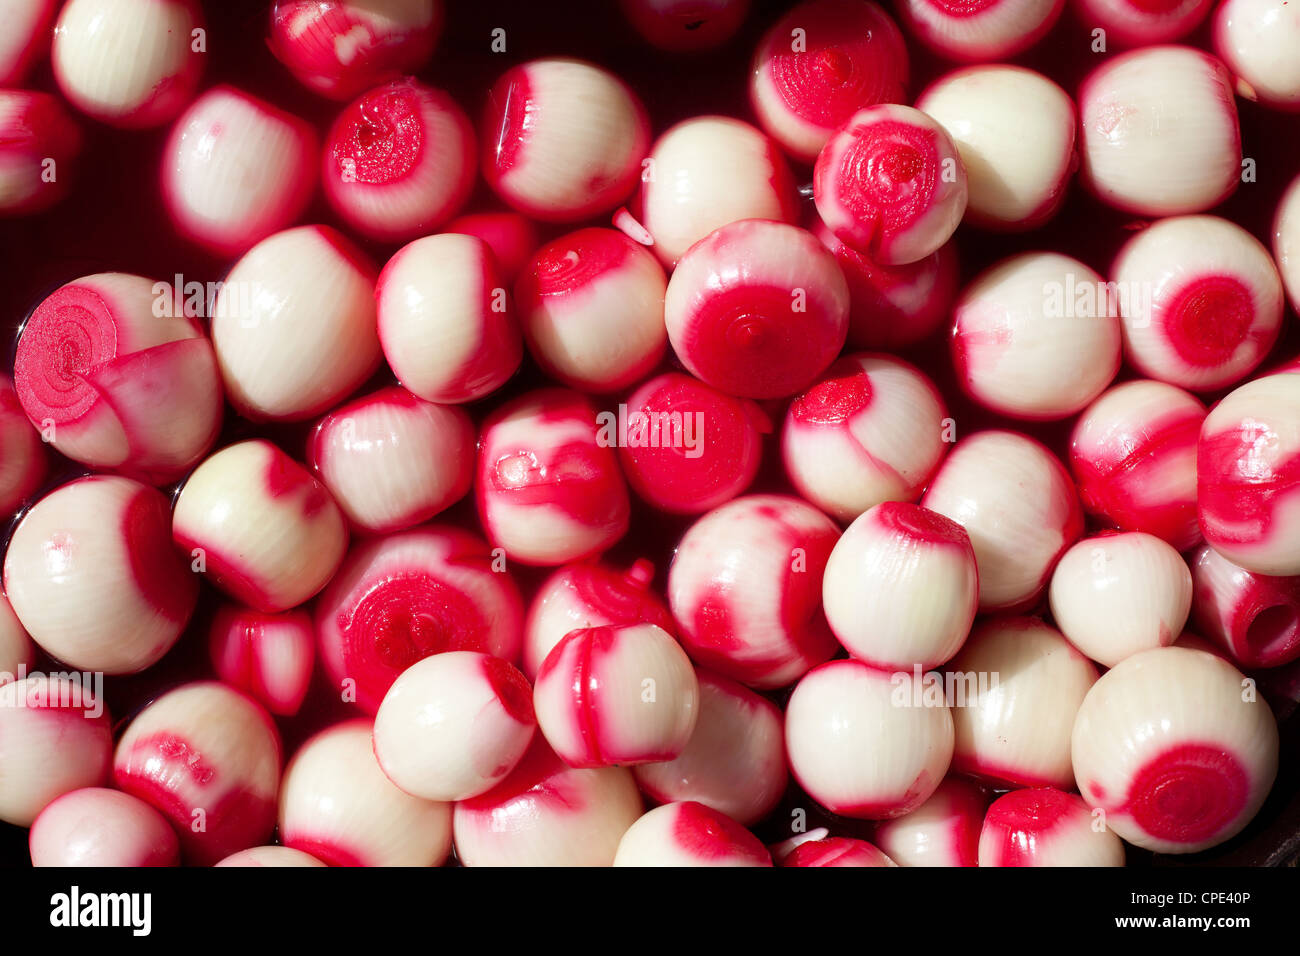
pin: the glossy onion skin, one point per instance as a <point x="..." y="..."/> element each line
<point x="548" y="487"/>
<point x="1254" y="617"/>
<point x="93" y="576"/>
<point x="861" y="745"/>
<point x="1133" y="456"/>
<point x="1015" y="131"/>
<point x="713" y="450"/>
<point x="337" y="806"/>
<point x="891" y="184"/>
<point x="1173" y="748"/>
<point x="399" y="598"/>
<point x="1018" y="535"/>
<point x="734" y="761"/>
<point x="901" y="587"/>
<point x="260" y="526"/>
<point x="547" y="813"/>
<point x="399" y="161"/>
<point x="617" y="695"/>
<point x="757" y="309"/>
<point x="707" y="172"/>
<point x="118" y="375"/>
<point x="1200" y="300"/>
<point x="943" y="831"/>
<point x="745" y="588"/>
<point x="1015" y="729"/>
<point x="1257" y="39"/>
<point x="851" y="55"/>
<point x="986" y="30"/>
<point x="870" y="429"/>
<point x="1044" y="826"/>
<point x="1028" y="341"/>
<point x="1248" y="467"/>
<point x="207" y="758"/>
<point x="1160" y="132"/>
<point x="563" y="139"/>
<point x="338" y="49"/>
<point x="237" y="170"/>
<point x="1137" y="23"/>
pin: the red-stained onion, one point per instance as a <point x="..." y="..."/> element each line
<point x="1036" y="336"/>
<point x="294" y="325"/>
<point x="1133" y="454"/>
<point x="118" y="375"/>
<point x="1017" y="685"/>
<point x="399" y="161"/>
<point x="1118" y="594"/>
<point x="338" y="48"/>
<point x="1201" y="301"/>
<point x="1017" y="503"/>
<point x="689" y="834"/>
<point x="836" y="851"/>
<point x="746" y="589"/>
<point x="267" y="656"/>
<point x="276" y="856"/>
<point x="734" y="761"/>
<point x="446" y="325"/>
<point x="1015" y="132"/>
<point x="707" y="172"/>
<point x="591" y="304"/>
<point x="865" y="743"/>
<point x="1248" y="476"/>
<point x="102" y="828"/>
<point x="55" y="737"/>
<point x="757" y="309"/>
<point x="259" y="526"/>
<point x="563" y="139"/>
<point x="894" y="307"/>
<point x="129" y="63"/>
<point x="92" y="575"/>
<point x="1044" y="826"/>
<point x="980" y="30"/>
<point x="1257" y="39"/>
<point x="236" y="170"/>
<point x="392" y="460"/>
<point x="1143" y="22"/>
<point x="689" y="447"/>
<point x="1160" y="134"/>
<point x="1286" y="240"/>
<point x="1174" y="750"/>
<point x="337" y="805"/>
<point x="870" y="430"/>
<point x="23" y="462"/>
<point x="943" y="831"/>
<point x="819" y="64"/>
<point x="1254" y="617"/>
<point x="617" y="695"/>
<point x="547" y="813"/>
<point x="208" y="758"/>
<point x="401" y="598"/>
<point x="453" y="725"/>
<point x="590" y="595"/>
<point x="25" y="39"/>
<point x="549" y="489"/>
<point x="891" y="184"/>
<point x="900" y="587"/>
<point x="511" y="236"/>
